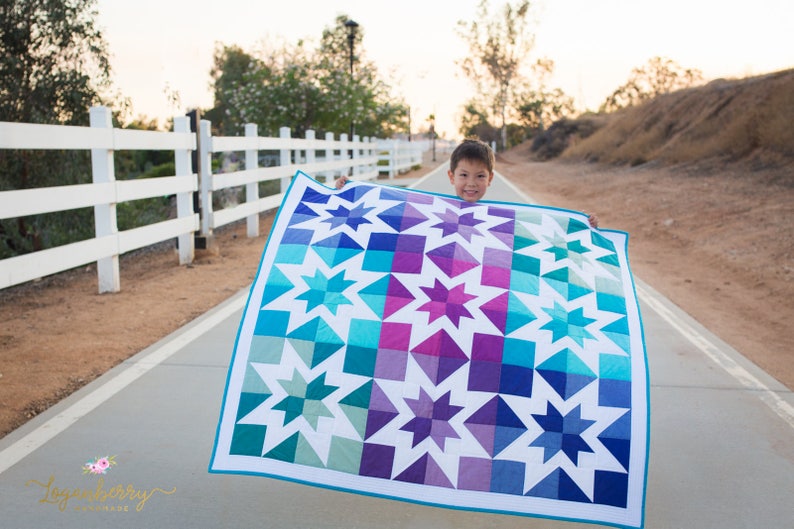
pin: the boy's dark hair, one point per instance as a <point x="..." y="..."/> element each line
<point x="472" y="149"/>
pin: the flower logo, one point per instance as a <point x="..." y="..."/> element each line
<point x="100" y="465"/>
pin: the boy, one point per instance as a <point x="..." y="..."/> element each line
<point x="471" y="170"/>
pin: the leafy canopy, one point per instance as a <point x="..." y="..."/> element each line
<point x="510" y="90"/>
<point x="296" y="86"/>
<point x="53" y="67"/>
<point x="53" y="61"/>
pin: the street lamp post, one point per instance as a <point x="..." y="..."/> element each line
<point x="432" y="120"/>
<point x="351" y="26"/>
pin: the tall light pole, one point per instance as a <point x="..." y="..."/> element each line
<point x="432" y="120"/>
<point x="351" y="26"/>
<point x="409" y="122"/>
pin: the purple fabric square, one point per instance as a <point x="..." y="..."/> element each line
<point x="410" y="244"/>
<point x="376" y="461"/>
<point x="494" y="276"/>
<point x="391" y="364"/>
<point x="496" y="258"/>
<point x="484" y="376"/>
<point x="474" y="473"/>
<point x="409" y="263"/>
<point x="395" y="336"/>
<point x="487" y="348"/>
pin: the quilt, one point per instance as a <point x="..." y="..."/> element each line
<point x="410" y="345"/>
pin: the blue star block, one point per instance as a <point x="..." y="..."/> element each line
<point x="562" y="433"/>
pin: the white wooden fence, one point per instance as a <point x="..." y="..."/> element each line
<point x="325" y="158"/>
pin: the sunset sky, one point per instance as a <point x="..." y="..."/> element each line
<point x="166" y="46"/>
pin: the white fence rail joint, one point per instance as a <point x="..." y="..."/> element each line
<point x="328" y="158"/>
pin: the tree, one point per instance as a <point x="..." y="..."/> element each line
<point x="499" y="45"/>
<point x="475" y="124"/>
<point x="53" y="68"/>
<point x="302" y="88"/>
<point x="53" y="61"/>
<point x="363" y="96"/>
<point x="659" y="76"/>
<point x="274" y="91"/>
<point x="540" y="107"/>
<point x="230" y="64"/>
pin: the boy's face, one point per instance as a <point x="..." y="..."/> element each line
<point x="470" y="179"/>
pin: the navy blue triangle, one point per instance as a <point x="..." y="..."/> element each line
<point x="565" y="384"/>
<point x="620" y="448"/>
<point x="505" y="416"/>
<point x="313" y="196"/>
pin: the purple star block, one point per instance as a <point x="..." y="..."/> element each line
<point x="431" y="418"/>
<point x="463" y="225"/>
<point x="449" y="303"/>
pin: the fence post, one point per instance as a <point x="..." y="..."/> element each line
<point x="329" y="155"/>
<point x="355" y="169"/>
<point x="365" y="168"/>
<point x="372" y="154"/>
<point x="105" y="222"/>
<point x="343" y="154"/>
<point x="252" y="189"/>
<point x="394" y="150"/>
<point x="285" y="157"/>
<point x="416" y="155"/>
<point x="205" y="180"/>
<point x="311" y="154"/>
<point x="184" y="201"/>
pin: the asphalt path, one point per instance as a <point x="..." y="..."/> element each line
<point x="721" y="451"/>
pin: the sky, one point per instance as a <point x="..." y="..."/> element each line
<point x="163" y="48"/>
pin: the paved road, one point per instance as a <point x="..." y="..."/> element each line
<point x="722" y="442"/>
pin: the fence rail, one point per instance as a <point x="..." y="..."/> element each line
<point x="363" y="159"/>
